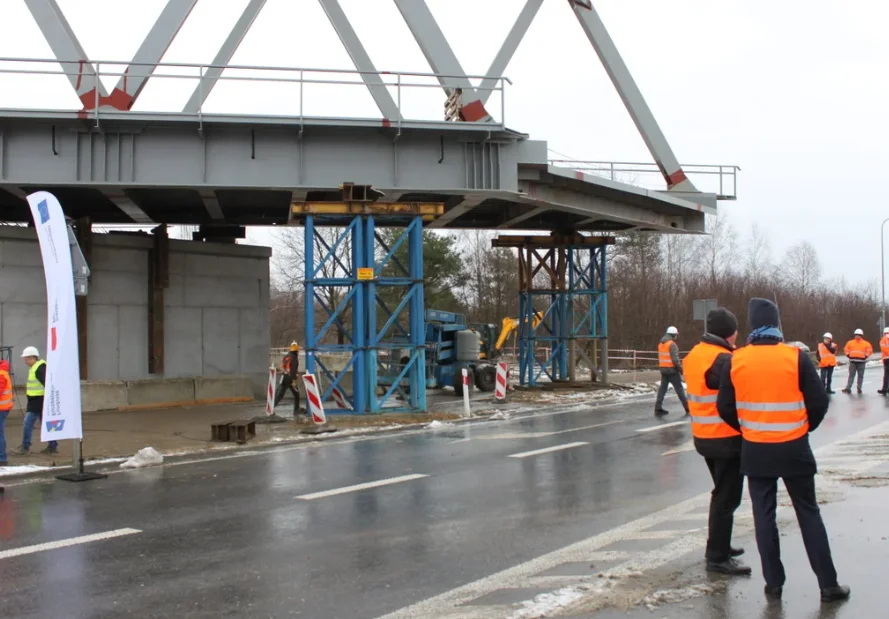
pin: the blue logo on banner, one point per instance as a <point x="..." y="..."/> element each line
<point x="55" y="426"/>
<point x="44" y="212"/>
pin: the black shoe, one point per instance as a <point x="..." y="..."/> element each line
<point x="50" y="451"/>
<point x="881" y="391"/>
<point x="661" y="412"/>
<point x="831" y="391"/>
<point x="735" y="552"/>
<point x="730" y="566"/>
<point x="774" y="593"/>
<point x="835" y="594"/>
<point x="860" y="392"/>
<point x="847" y="391"/>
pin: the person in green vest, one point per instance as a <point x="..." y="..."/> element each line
<point x="34" y="389"/>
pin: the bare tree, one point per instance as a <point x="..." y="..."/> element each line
<point x="758" y="257"/>
<point x="801" y="268"/>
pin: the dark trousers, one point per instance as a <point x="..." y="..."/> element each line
<point x="728" y="486"/>
<point x="885" y="375"/>
<point x="827" y="377"/>
<point x="764" y="495"/>
<point x="674" y="379"/>
<point x="287" y="383"/>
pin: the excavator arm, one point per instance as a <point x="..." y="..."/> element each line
<point x="508" y="325"/>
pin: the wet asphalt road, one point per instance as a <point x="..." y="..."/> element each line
<point x="229" y="537"/>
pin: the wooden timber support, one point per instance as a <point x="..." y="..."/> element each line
<point x="158" y="281"/>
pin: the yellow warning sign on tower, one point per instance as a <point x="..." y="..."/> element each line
<point x="365" y="274"/>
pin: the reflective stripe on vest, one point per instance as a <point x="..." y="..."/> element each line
<point x="705" y="420"/>
<point x="828" y="359"/>
<point x="859" y="350"/>
<point x="34" y="387"/>
<point x="6" y="394"/>
<point x="770" y="404"/>
<point x="664" y="357"/>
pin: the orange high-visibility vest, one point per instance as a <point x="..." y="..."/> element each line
<point x="858" y="350"/>
<point x="770" y="404"/>
<point x="5" y="391"/>
<point x="884" y="347"/>
<point x="285" y="363"/>
<point x="705" y="421"/>
<point x="664" y="358"/>
<point x="828" y="359"/>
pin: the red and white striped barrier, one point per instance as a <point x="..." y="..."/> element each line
<point x="341" y="400"/>
<point x="500" y="385"/>
<point x="313" y="395"/>
<point x="270" y="396"/>
<point x="465" y="379"/>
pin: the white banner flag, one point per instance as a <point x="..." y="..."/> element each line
<point x="61" y="402"/>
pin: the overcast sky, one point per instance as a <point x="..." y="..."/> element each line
<point x="795" y="92"/>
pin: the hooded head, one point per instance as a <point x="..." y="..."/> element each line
<point x="722" y="323"/>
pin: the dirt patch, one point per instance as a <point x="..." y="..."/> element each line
<point x="868" y="481"/>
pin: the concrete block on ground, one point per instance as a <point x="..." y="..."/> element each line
<point x="158" y="392"/>
<point x="223" y="388"/>
<point x="103" y="395"/>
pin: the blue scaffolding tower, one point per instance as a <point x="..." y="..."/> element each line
<point x="563" y="305"/>
<point x="379" y="315"/>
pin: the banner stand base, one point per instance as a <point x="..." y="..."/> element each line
<point x="80" y="475"/>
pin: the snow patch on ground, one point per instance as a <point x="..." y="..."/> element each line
<point x="499" y="416"/>
<point x="546" y="603"/>
<point x="675" y="596"/>
<point x="435" y="425"/>
<point x="9" y="471"/>
<point x="147" y="456"/>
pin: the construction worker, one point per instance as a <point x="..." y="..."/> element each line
<point x="858" y="350"/>
<point x="34" y="390"/>
<point x="5" y="406"/>
<point x="671" y="371"/>
<point x="827" y="360"/>
<point x="719" y="443"/>
<point x="290" y="370"/>
<point x="884" y="353"/>
<point x="772" y="394"/>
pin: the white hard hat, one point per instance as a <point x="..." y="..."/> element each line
<point x="828" y="336"/>
<point x="672" y="331"/>
<point x="886" y="330"/>
<point x="30" y="351"/>
<point x="859" y="332"/>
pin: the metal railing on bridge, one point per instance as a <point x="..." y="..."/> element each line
<point x="287" y="92"/>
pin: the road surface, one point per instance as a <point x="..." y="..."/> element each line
<point x="458" y="521"/>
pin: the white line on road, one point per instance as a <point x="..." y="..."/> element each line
<point x="569" y="430"/>
<point x="64" y="543"/>
<point x="537" y="452"/>
<point x="359" y="487"/>
<point x="662" y="426"/>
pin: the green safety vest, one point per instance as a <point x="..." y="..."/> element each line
<point x="34" y="387"/>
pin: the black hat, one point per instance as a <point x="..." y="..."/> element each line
<point x="762" y="313"/>
<point x="721" y="323"/>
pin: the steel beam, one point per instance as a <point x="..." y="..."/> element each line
<point x="514" y="221"/>
<point x="211" y="203"/>
<point x="224" y="56"/>
<point x="150" y="53"/>
<point x="67" y="49"/>
<point x="378" y="89"/>
<point x="130" y="208"/>
<point x="508" y="49"/>
<point x="468" y="203"/>
<point x="631" y="95"/>
<point x="441" y="57"/>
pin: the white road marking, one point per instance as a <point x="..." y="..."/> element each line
<point x="689" y="446"/>
<point x="359" y="487"/>
<point x="453" y="604"/>
<point x="662" y="426"/>
<point x="460" y="440"/>
<point x="546" y="450"/>
<point x="65" y="543"/>
<point x="595" y="425"/>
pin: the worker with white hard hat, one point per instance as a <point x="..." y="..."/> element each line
<point x="884" y="353"/>
<point x="827" y="360"/>
<point x="34" y="390"/>
<point x="858" y="350"/>
<point x="671" y="371"/>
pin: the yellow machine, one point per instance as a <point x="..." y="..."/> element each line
<point x="508" y="326"/>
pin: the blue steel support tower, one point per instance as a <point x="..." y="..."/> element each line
<point x="380" y="308"/>
<point x="563" y="305"/>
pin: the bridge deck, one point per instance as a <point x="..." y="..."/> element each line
<point x="130" y="167"/>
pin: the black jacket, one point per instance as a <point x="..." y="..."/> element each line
<point x="791" y="459"/>
<point x="718" y="448"/>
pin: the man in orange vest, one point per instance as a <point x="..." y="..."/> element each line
<point x="858" y="350"/>
<point x="290" y="370"/>
<point x="827" y="360"/>
<point x="671" y="371"/>
<point x="719" y="443"/>
<point x="884" y="353"/>
<point x="5" y="406"/>
<point x="772" y="394"/>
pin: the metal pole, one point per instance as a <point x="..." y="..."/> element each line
<point x="882" y="276"/>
